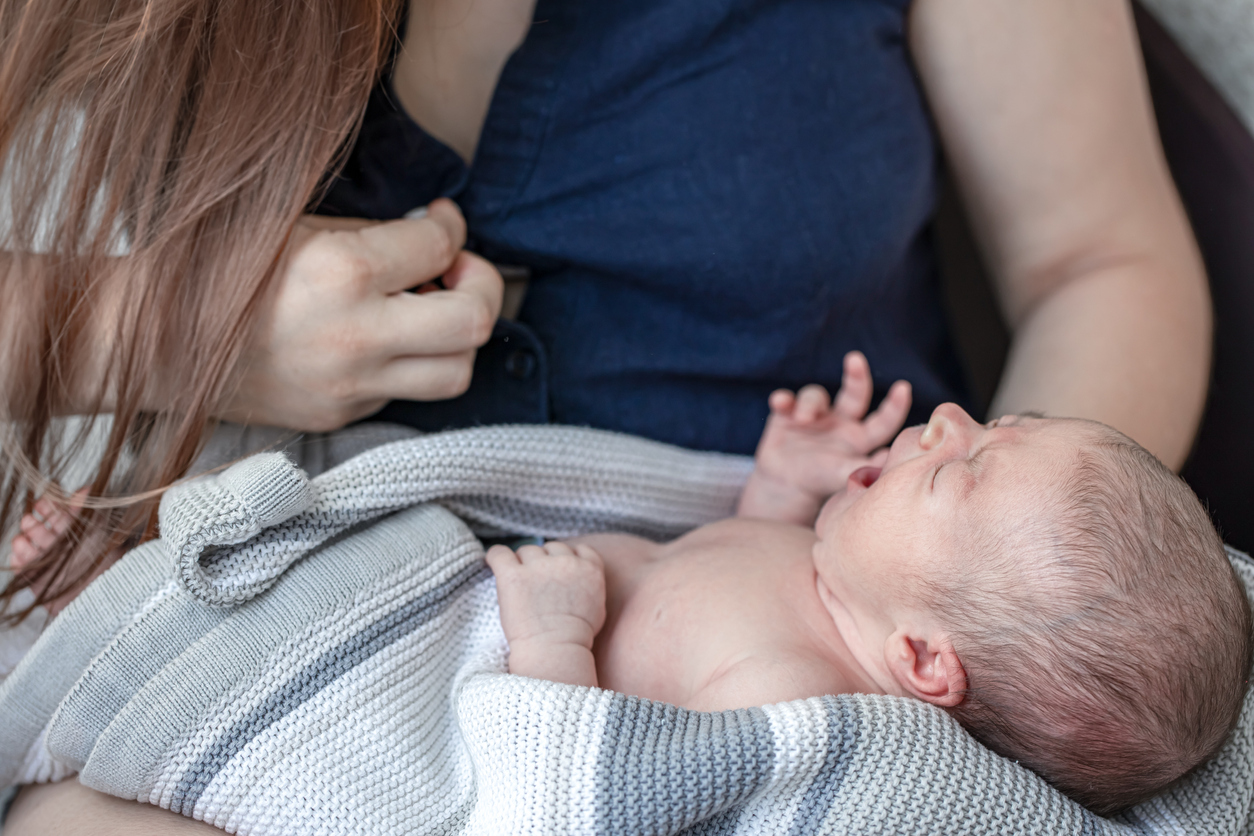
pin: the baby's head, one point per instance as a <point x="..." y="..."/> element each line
<point x="1055" y="588"/>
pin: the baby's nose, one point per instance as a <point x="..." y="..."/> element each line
<point x="948" y="421"/>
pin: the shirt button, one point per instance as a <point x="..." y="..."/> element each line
<point x="520" y="364"/>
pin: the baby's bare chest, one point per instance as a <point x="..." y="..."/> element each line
<point x="679" y="614"/>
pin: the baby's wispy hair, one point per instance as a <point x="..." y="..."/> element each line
<point x="1113" y="657"/>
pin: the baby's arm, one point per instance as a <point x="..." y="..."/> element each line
<point x="811" y="445"/>
<point x="552" y="602"/>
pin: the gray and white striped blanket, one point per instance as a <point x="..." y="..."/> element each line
<point x="324" y="657"/>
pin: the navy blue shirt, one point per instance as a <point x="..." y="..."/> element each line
<point x="715" y="198"/>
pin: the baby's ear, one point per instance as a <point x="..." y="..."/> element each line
<point x="926" y="667"/>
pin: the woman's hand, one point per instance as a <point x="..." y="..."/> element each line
<point x="342" y="336"/>
<point x="1045" y="115"/>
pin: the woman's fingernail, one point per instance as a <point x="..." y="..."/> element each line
<point x="416" y="214"/>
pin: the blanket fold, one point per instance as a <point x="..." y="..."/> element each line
<point x="502" y="480"/>
<point x="338" y="667"/>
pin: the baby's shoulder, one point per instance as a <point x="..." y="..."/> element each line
<point x="750" y="531"/>
<point x="765" y="679"/>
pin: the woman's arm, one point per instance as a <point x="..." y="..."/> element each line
<point x="1043" y="109"/>
<point x="70" y="809"/>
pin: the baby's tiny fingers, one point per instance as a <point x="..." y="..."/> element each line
<point x="52" y="517"/>
<point x="589" y="554"/>
<point x="812" y="404"/>
<point x="22" y="552"/>
<point x="557" y="547"/>
<point x="41" y="535"/>
<point x="79" y="498"/>
<point x="854" y="397"/>
<point x="501" y="558"/>
<point x="531" y="553"/>
<point x="31" y="521"/>
<point x="782" y="402"/>
<point x="882" y="425"/>
<point x="45" y="511"/>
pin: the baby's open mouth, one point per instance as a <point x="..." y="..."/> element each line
<point x="865" y="476"/>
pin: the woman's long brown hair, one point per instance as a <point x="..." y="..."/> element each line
<point x="154" y="157"/>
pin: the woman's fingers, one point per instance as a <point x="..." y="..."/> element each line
<point x="409" y="252"/>
<point x="881" y="426"/>
<point x="333" y="344"/>
<point x="478" y="279"/>
<point x="854" y="397"/>
<point x="437" y="322"/>
<point x="422" y="347"/>
<point x="42" y="527"/>
<point x="419" y="378"/>
<point x="448" y="321"/>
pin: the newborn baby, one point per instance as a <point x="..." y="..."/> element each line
<point x="1047" y="582"/>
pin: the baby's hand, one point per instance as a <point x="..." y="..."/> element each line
<point x="552" y="602"/>
<point x="811" y="444"/>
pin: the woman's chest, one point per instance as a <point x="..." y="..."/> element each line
<point x="687" y="119"/>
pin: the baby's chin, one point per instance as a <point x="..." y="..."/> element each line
<point x="830" y="511"/>
<point x="859" y="481"/>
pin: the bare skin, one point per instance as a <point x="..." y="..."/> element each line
<point x="454" y="53"/>
<point x="343" y="337"/>
<point x="746" y="621"/>
<point x="727" y="616"/>
<point x="1043" y="111"/>
<point x="1044" y="114"/>
<point x="753" y="611"/>
<point x="70" y="809"/>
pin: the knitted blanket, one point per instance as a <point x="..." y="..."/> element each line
<point x="325" y="657"/>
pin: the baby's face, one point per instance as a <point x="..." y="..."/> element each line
<point x="944" y="485"/>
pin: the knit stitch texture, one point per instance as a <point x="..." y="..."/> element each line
<point x="325" y="657"/>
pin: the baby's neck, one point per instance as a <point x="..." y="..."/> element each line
<point x="850" y="643"/>
<point x="727" y="616"/>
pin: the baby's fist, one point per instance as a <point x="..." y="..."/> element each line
<point x="549" y="595"/>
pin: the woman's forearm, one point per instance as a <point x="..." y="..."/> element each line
<point x="1126" y="344"/>
<point x="1045" y="114"/>
<point x="70" y="809"/>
